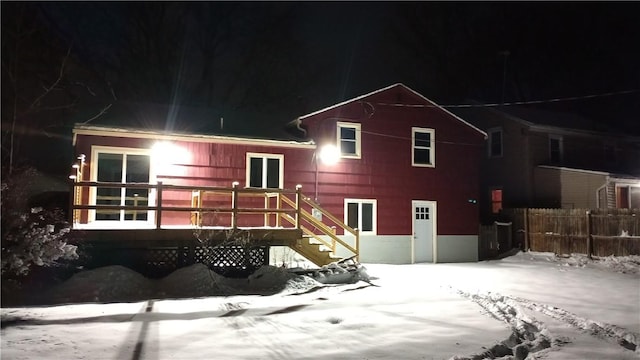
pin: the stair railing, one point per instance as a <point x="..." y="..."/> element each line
<point x="326" y="230"/>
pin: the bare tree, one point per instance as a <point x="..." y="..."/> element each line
<point x="38" y="89"/>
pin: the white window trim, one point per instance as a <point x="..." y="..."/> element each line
<point x="264" y="169"/>
<point x="374" y="214"/>
<point x="93" y="176"/>
<point x="432" y="152"/>
<point x="560" y="143"/>
<point x="358" y="128"/>
<point x="490" y="133"/>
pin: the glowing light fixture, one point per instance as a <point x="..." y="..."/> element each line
<point x="166" y="154"/>
<point x="329" y="154"/>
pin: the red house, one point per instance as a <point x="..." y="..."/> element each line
<point x="389" y="176"/>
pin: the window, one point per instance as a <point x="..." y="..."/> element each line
<point x="495" y="142"/>
<point x="361" y="215"/>
<point x="628" y="197"/>
<point x="496" y="200"/>
<point x="265" y="170"/>
<point x="117" y="165"/>
<point x="555" y="149"/>
<point x="423" y="147"/>
<point x="349" y="139"/>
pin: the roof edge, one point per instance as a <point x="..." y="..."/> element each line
<point x="300" y="118"/>
<point x="94" y="130"/>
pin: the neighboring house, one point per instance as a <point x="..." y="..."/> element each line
<point x="406" y="175"/>
<point x="536" y="158"/>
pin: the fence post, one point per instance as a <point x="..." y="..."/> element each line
<point x="159" y="205"/>
<point x="589" y="235"/>
<point x="526" y="229"/>
<point x="234" y="200"/>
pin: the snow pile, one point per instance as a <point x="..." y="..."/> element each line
<point x="120" y="284"/>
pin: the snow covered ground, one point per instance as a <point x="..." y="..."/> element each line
<point x="530" y="305"/>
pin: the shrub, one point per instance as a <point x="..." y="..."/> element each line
<point x="30" y="237"/>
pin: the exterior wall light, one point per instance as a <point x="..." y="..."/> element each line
<point x="329" y="154"/>
<point x="166" y="156"/>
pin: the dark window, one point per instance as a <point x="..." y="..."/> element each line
<point x="348" y="140"/>
<point x="495" y="143"/>
<point x="555" y="150"/>
<point x="264" y="172"/>
<point x="360" y="214"/>
<point x="422" y="146"/>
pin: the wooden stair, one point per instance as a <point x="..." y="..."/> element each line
<point x="318" y="254"/>
<point x="312" y="245"/>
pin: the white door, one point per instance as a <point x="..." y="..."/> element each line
<point x="424" y="214"/>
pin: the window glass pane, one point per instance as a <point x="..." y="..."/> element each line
<point x="367" y="217"/>
<point x="422" y="139"/>
<point x="634" y="197"/>
<point x="110" y="167"/>
<point x="422" y="156"/>
<point x="348" y="147"/>
<point x="137" y="169"/>
<point x="273" y="173"/>
<point x="109" y="170"/>
<point x="255" y="172"/>
<point x="352" y="215"/>
<point x="347" y="133"/>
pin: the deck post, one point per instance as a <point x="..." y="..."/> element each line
<point x="298" y="205"/>
<point x="159" y="204"/>
<point x="234" y="204"/>
<point x="279" y="206"/>
<point x="357" y="245"/>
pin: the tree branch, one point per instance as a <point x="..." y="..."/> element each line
<point x="55" y="83"/>
<point x="99" y="114"/>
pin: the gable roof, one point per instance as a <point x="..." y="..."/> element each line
<point x="189" y="120"/>
<point x="428" y="102"/>
<point x="535" y="118"/>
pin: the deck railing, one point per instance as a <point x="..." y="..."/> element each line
<point x="289" y="205"/>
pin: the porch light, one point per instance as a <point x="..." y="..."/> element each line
<point x="329" y="154"/>
<point x="166" y="154"/>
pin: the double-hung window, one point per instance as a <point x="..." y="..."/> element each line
<point x="349" y="139"/>
<point x="423" y="147"/>
<point x="361" y="214"/>
<point x="265" y="170"/>
<point x="495" y="142"/>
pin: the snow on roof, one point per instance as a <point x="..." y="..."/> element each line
<point x="80" y="129"/>
<point x="391" y="87"/>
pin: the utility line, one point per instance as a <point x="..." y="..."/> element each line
<point x="572" y="98"/>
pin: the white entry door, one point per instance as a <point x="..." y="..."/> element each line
<point x="424" y="215"/>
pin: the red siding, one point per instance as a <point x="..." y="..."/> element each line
<point x="384" y="171"/>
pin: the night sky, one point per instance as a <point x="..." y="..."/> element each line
<point x="282" y="60"/>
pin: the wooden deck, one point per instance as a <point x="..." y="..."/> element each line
<point x="142" y="238"/>
<point x="286" y="220"/>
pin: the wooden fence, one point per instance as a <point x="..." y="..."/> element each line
<point x="600" y="232"/>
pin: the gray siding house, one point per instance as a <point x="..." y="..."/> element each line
<point x="536" y="158"/>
